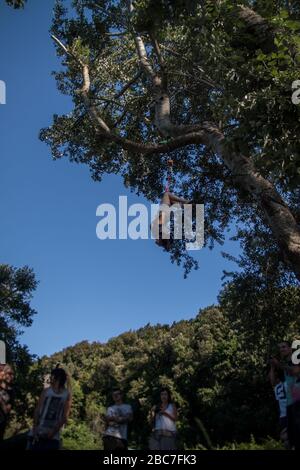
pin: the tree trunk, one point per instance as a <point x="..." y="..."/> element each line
<point x="257" y="28"/>
<point x="277" y="214"/>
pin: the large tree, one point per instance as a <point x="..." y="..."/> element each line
<point x="208" y="83"/>
<point x="16" y="288"/>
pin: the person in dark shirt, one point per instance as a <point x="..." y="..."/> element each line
<point x="6" y="396"/>
<point x="292" y="379"/>
<point x="278" y="383"/>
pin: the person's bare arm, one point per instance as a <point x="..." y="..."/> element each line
<point x="5" y="407"/>
<point x="124" y="419"/>
<point x="172" y="416"/>
<point x="38" y="410"/>
<point x="152" y="413"/>
<point x="291" y="370"/>
<point x="2" y="404"/>
<point x="295" y="371"/>
<point x="109" y="419"/>
<point x="272" y="376"/>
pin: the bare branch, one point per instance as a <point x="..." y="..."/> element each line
<point x="92" y="110"/>
<point x="143" y="57"/>
<point x="66" y="50"/>
<point x="121" y="33"/>
<point x="85" y="89"/>
<point x="156" y="47"/>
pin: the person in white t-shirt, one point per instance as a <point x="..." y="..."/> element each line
<point x="164" y="416"/>
<point x="116" y="420"/>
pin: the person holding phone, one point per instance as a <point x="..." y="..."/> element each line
<point x="164" y="416"/>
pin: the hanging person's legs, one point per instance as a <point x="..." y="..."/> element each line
<point x="158" y="223"/>
<point x="173" y="199"/>
<point x="169" y="199"/>
<point x="158" y="227"/>
<point x="164" y="235"/>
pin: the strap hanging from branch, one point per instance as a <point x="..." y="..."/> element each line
<point x="170" y="176"/>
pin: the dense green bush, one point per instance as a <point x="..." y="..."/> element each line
<point x="266" y="444"/>
<point x="78" y="436"/>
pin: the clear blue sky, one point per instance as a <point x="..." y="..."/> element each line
<point x="89" y="289"/>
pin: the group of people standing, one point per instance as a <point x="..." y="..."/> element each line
<point x="54" y="405"/>
<point x="163" y="418"/>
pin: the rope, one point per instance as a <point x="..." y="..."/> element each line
<point x="170" y="176"/>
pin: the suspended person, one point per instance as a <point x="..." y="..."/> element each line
<point x="163" y="417"/>
<point x="117" y="418"/>
<point x="292" y="378"/>
<point x="51" y="413"/>
<point x="6" y="396"/>
<point x="278" y="383"/>
<point x="159" y="226"/>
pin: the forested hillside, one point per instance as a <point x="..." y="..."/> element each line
<point x="215" y="364"/>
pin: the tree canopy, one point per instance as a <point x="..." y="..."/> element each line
<point x="206" y="82"/>
<point x="16" y="289"/>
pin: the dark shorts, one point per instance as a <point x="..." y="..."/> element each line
<point x="282" y="423"/>
<point x="111" y="443"/>
<point x="2" y="430"/>
<point x="43" y="444"/>
<point x="162" y="441"/>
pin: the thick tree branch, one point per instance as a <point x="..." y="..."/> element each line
<point x="195" y="136"/>
<point x="66" y="50"/>
<point x="257" y="27"/>
<point x="85" y="89"/>
<point x="276" y="212"/>
<point x="91" y="108"/>
<point x="198" y="137"/>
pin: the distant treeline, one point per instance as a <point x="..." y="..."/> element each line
<point x="216" y="366"/>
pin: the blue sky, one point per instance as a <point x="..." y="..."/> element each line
<point x="89" y="289"/>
